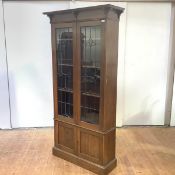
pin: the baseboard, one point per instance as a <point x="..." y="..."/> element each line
<point x="98" y="169"/>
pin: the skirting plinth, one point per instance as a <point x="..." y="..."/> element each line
<point x="98" y="169"/>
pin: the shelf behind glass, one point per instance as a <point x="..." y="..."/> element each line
<point x="90" y="73"/>
<point x="64" y="55"/>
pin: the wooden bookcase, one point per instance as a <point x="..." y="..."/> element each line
<point x="84" y="55"/>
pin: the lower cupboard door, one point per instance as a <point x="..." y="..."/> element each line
<point x="90" y="145"/>
<point x="66" y="135"/>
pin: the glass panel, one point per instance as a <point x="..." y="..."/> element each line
<point x="64" y="55"/>
<point x="90" y="73"/>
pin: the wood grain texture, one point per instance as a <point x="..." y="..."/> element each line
<point x="110" y="77"/>
<point x="66" y="137"/>
<point x="146" y="151"/>
<point x="87" y="141"/>
<point x="90" y="146"/>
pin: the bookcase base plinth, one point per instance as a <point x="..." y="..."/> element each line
<point x="98" y="169"/>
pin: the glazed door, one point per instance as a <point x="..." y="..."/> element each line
<point x="63" y="44"/>
<point x="64" y="49"/>
<point x="90" y="44"/>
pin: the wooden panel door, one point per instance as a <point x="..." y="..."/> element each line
<point x="90" y="145"/>
<point x="66" y="137"/>
<point x="90" y="37"/>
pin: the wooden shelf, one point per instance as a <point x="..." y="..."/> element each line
<point x="65" y="65"/>
<point x="65" y="90"/>
<point x="93" y="109"/>
<point x="93" y="67"/>
<point x="65" y="103"/>
<point x="90" y="94"/>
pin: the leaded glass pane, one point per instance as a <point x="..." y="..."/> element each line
<point x="90" y="73"/>
<point x="64" y="55"/>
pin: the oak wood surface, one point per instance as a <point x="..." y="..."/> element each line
<point x="146" y="151"/>
<point x="75" y="139"/>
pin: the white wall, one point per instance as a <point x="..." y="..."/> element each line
<point x="146" y="63"/>
<point x="143" y="58"/>
<point x="29" y="58"/>
<point x="4" y="96"/>
<point x="142" y="72"/>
